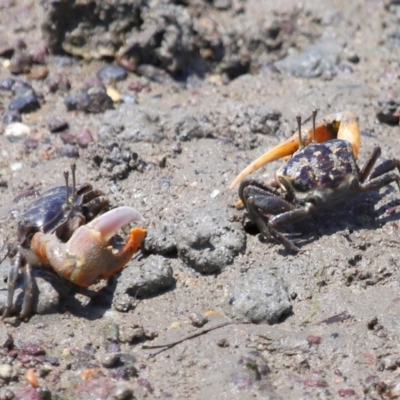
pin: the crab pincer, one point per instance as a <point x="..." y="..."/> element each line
<point x="88" y="255"/>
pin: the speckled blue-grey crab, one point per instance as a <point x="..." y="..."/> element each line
<point x="321" y="172"/>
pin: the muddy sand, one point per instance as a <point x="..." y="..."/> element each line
<point x="161" y="104"/>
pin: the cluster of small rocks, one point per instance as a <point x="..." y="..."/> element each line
<point x="24" y="99"/>
<point x="105" y="371"/>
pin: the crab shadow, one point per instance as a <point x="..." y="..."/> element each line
<point x="356" y="213"/>
<point x="85" y="303"/>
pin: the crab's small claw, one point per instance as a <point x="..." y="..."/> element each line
<point x="342" y="125"/>
<point x="88" y="255"/>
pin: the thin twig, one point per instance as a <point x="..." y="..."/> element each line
<point x="168" y="346"/>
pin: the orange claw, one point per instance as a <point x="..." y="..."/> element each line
<point x="342" y="125"/>
<point x="88" y="255"/>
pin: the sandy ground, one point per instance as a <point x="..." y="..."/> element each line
<point x="334" y="330"/>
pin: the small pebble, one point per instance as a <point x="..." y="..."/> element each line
<point x="162" y="161"/>
<point x="69" y="151"/>
<point x="346" y="392"/>
<point x="100" y="101"/>
<point x="57" y="124"/>
<point x="311" y="339"/>
<point x="165" y="183"/>
<point x="176" y="148"/>
<point x="214" y="193"/>
<point x="31" y="378"/>
<point x="388" y="111"/>
<point x="5" y="371"/>
<point x="112" y="73"/>
<point x="51" y="360"/>
<point x="111" y="332"/>
<point x="334" y="335"/>
<point x="30" y="144"/>
<point x="33" y="349"/>
<point x="57" y="81"/>
<point x="122" y="391"/>
<point x="17" y="130"/>
<point x="38" y="73"/>
<point x="136" y="86"/>
<point x="108" y="360"/>
<point x="223" y="342"/>
<point x="132" y="334"/>
<point x="20" y="63"/>
<point x="197" y="319"/>
<point x="67" y="137"/>
<point x="77" y="101"/>
<point x="315" y="383"/>
<point x="113" y="348"/>
<point x="129" y="99"/>
<point x="351" y="56"/>
<point x="39" y="53"/>
<point x="25" y="101"/>
<point x="144" y="385"/>
<point x="114" y="94"/>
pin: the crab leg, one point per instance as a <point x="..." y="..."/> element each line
<point x="335" y="126"/>
<point x="12" y="280"/>
<point x="27" y="304"/>
<point x="88" y="255"/>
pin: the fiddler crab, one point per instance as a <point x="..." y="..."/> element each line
<point x="60" y="232"/>
<point x="321" y="172"/>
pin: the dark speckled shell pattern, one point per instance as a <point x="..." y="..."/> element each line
<point x="320" y="165"/>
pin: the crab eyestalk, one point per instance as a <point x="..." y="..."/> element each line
<point x="88" y="256"/>
<point x="314" y="116"/>
<point x="73" y="170"/>
<point x="301" y="143"/>
<point x="66" y="178"/>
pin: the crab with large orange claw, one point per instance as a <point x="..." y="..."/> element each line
<point x="343" y="126"/>
<point x="88" y="255"/>
<point x="60" y="232"/>
<point x="321" y="173"/>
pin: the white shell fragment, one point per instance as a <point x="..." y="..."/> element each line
<point x="17" y="129"/>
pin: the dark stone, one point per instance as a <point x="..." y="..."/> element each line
<point x="57" y="124"/>
<point x="77" y="101"/>
<point x="388" y="111"/>
<point x="94" y="101"/>
<point x="24" y="101"/>
<point x="68" y="150"/>
<point x="100" y="101"/>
